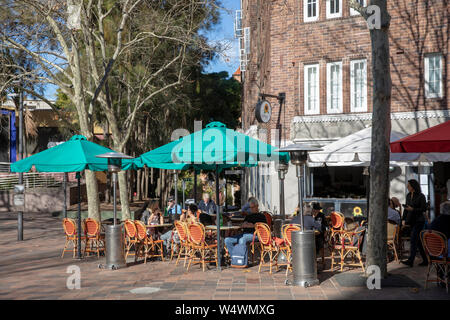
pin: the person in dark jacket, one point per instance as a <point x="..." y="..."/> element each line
<point x="442" y="222"/>
<point x="415" y="208"/>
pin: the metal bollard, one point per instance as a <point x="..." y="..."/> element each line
<point x="304" y="265"/>
<point x="114" y="251"/>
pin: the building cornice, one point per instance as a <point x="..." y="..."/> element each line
<point x="368" y="116"/>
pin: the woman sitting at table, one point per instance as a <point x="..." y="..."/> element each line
<point x="155" y="217"/>
<point x="188" y="216"/>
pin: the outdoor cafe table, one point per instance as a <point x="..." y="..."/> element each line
<point x="164" y="225"/>
<point x="222" y="228"/>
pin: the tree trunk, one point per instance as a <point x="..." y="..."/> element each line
<point x="142" y="182"/>
<point x="92" y="195"/>
<point x="381" y="128"/>
<point x="124" y="204"/>
<point x="85" y="128"/>
<point x="146" y="181"/>
<point x="139" y="186"/>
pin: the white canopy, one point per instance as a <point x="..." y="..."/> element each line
<point x="355" y="150"/>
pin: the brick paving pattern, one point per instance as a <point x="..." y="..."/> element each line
<point x="33" y="269"/>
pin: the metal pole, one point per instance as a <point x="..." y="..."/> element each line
<point x="225" y="194"/>
<point x="282" y="209"/>
<point x="184" y="198"/>
<point x="20" y="213"/>
<point x="218" y="215"/>
<point x="79" y="215"/>
<point x="300" y="193"/>
<point x="367" y="182"/>
<point x="176" y="191"/>
<point x="195" y="186"/>
<point x="114" y="195"/>
<point x="65" y="195"/>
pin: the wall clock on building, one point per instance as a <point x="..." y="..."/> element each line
<point x="263" y="111"/>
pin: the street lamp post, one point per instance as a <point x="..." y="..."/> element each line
<point x="20" y="213"/>
<point x="304" y="266"/>
<point x="115" y="258"/>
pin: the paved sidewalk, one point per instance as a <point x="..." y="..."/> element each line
<point x="33" y="269"/>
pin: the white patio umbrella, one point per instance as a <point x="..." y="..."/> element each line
<point x="355" y="150"/>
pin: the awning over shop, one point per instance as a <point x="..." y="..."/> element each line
<point x="355" y="150"/>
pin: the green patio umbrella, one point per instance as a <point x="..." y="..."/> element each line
<point x="214" y="148"/>
<point x="214" y="145"/>
<point x="74" y="155"/>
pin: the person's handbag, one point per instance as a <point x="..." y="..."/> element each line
<point x="239" y="259"/>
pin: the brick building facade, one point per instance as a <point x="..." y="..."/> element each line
<point x="319" y="53"/>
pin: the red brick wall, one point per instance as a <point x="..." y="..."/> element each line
<point x="415" y="30"/>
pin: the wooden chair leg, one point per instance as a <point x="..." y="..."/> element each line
<point x="332" y="260"/>
<point x="360" y="261"/>
<point x="64" y="249"/>
<point x="203" y="259"/>
<point x="323" y="257"/>
<point x="161" y="250"/>
<point x="270" y="262"/>
<point x="261" y="261"/>
<point x="395" y="254"/>
<point x="172" y="245"/>
<point x="145" y="253"/>
<point x="428" y="274"/>
<point x="187" y="253"/>
<point x="446" y="277"/>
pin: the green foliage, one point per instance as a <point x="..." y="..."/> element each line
<point x="216" y="97"/>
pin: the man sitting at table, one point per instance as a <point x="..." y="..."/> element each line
<point x="207" y="205"/>
<point x="246" y="208"/>
<point x="171" y="209"/>
<point x="248" y="227"/>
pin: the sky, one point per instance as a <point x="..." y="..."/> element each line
<point x="223" y="33"/>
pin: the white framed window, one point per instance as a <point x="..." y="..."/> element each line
<point x="247" y="40"/>
<point x="361" y="2"/>
<point x="358" y="85"/>
<point x="311" y="89"/>
<point x="310" y="10"/>
<point x="334" y="87"/>
<point x="243" y="59"/>
<point x="433" y="76"/>
<point x="334" y="9"/>
<point x="238" y="24"/>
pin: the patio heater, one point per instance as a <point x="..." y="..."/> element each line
<point x="114" y="251"/>
<point x="304" y="267"/>
<point x="282" y="169"/>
